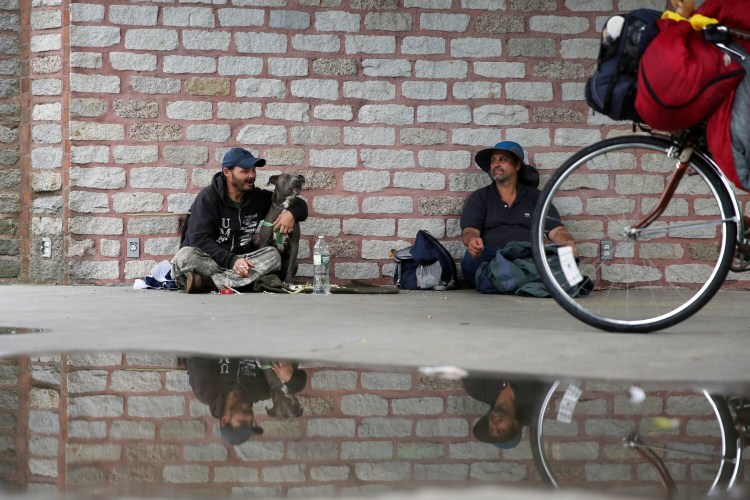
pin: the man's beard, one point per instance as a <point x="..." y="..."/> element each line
<point x="240" y="186"/>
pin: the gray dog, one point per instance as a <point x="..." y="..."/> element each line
<point x="288" y="186"/>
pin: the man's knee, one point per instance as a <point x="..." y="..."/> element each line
<point x="265" y="261"/>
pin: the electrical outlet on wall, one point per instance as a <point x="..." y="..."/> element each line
<point x="45" y="247"/>
<point x="606" y="249"/>
<point x="134" y="248"/>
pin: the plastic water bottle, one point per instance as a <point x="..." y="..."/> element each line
<point x="322" y="264"/>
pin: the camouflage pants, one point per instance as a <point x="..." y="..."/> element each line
<point x="191" y="259"/>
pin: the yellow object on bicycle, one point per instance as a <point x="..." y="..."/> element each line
<point x="697" y="21"/>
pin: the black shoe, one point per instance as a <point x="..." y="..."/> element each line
<point x="195" y="283"/>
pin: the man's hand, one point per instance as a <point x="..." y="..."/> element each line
<point x="283" y="370"/>
<point x="284" y="222"/>
<point x="562" y="236"/>
<point x="475" y="247"/>
<point x="242" y="267"/>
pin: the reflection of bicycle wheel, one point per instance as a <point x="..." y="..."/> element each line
<point x="643" y="279"/>
<point x="623" y="439"/>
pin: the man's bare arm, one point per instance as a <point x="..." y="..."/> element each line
<point x="473" y="240"/>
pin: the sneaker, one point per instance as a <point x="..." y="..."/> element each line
<point x="195" y="283"/>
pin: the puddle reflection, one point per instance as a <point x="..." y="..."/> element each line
<point x="158" y="424"/>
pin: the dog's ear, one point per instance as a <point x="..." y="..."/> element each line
<point x="272" y="180"/>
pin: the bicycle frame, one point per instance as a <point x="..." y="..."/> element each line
<point x="682" y="153"/>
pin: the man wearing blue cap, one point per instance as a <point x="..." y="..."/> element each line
<point x="217" y="252"/>
<point x="500" y="213"/>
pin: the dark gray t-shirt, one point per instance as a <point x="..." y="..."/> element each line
<point x="498" y="223"/>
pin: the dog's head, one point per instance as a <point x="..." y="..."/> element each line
<point x="285" y="405"/>
<point x="287" y="185"/>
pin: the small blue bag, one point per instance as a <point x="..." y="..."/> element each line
<point x="425" y="265"/>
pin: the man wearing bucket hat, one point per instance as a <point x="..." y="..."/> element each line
<point x="217" y="251"/>
<point x="511" y="407"/>
<point x="500" y="213"/>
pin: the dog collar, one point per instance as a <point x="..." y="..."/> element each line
<point x="277" y="233"/>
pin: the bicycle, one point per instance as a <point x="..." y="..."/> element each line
<point x="657" y="228"/>
<point x="624" y="439"/>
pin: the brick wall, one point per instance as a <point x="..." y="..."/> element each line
<point x="381" y="104"/>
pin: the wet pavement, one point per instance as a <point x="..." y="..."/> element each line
<point x="505" y="334"/>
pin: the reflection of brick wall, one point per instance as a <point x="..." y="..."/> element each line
<point x="12" y="430"/>
<point x="133" y="420"/>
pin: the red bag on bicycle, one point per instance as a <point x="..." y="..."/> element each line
<point x="682" y="78"/>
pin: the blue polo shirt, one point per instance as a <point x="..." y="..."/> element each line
<point x="498" y="223"/>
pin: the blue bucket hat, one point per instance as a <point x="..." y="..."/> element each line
<point x="527" y="175"/>
<point x="238" y="157"/>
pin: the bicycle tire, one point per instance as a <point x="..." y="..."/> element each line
<point x="652" y="282"/>
<point x="591" y="452"/>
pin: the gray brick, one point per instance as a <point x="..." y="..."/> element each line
<point x="185" y="474"/>
<point x="158" y="177"/>
<point x="211" y="452"/>
<point x="95" y="225"/>
<point x="261" y="43"/>
<point x="238" y="110"/>
<point x="441" y="69"/>
<point x="370" y="136"/>
<point x="467" y="182"/>
<point x="87" y="381"/>
<point x="432" y="181"/>
<point x="388" y="21"/>
<point x="420" y="451"/>
<point x="41" y="87"/>
<point x="337" y="21"/>
<point x="393" y="114"/>
<point x="132" y="381"/>
<point x="441" y="472"/>
<point x="370" y="90"/>
<point x="188" y="64"/>
<point x="407" y="228"/>
<point x="98" y="177"/>
<point x="86" y="60"/>
<point x="235" y="474"/>
<point x="472" y="451"/>
<point x="368" y="44"/>
<point x="150" y="39"/>
<point x="366" y="181"/>
<point x="428" y="4"/>
<point x="444" y="114"/>
<point x="95" y="36"/>
<point x="87" y="107"/>
<point x="241" y="17"/>
<point x="155" y="132"/>
<point x="151" y="85"/>
<point x="423" y="136"/>
<point x="206" y="40"/>
<point x="333" y="112"/>
<point x="289" y="20"/>
<point x="334" y="380"/>
<point x="456" y="427"/>
<point x="86" y="12"/>
<point x="292" y="66"/>
<point x="386" y="67"/>
<point x="388" y="205"/>
<point x="43" y="467"/>
<point x="386" y="381"/>
<point x="501" y="115"/>
<point x="133" y="15"/>
<point x="425" y="90"/>
<point x="260" y="451"/>
<point x="135" y="154"/>
<point x="370" y="227"/>
<point x="444" y="22"/>
<point x="156" y="406"/>
<point x="44" y="422"/>
<point x="87" y="430"/>
<point x="328" y="136"/>
<point x="336" y="205"/>
<point x="208" y="133"/>
<point x="387" y="159"/>
<point x="40" y="20"/>
<point x="363" y="405"/>
<point x="152" y="225"/>
<point x="559" y="24"/>
<point x="529" y="91"/>
<point x="288" y="111"/>
<point x="496" y="24"/>
<point x="330" y="473"/>
<point x="313" y="88"/>
<point x="188" y="16"/>
<point x="95" y="406"/>
<point x="85" y="131"/>
<point x="260" y="88"/>
<point x="389" y="471"/>
<point x="240" y="65"/>
<point x="445" y="159"/>
<point x="45" y="182"/>
<point x="313" y="451"/>
<point x="189" y="110"/>
<point x="331" y="427"/>
<point x="356" y="271"/>
<point x="132" y="430"/>
<point x="316" y="43"/>
<point x="417" y="406"/>
<point x="316" y="226"/>
<point x="531" y="47"/>
<point x="579" y="48"/>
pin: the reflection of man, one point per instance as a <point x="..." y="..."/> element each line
<point x="500" y="213"/>
<point x="217" y="251"/>
<point x="511" y="408"/>
<point x="230" y="386"/>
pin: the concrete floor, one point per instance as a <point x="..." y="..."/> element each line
<point x="506" y="334"/>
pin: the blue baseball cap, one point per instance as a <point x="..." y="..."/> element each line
<point x="238" y="157"/>
<point x="526" y="175"/>
<point x="238" y="435"/>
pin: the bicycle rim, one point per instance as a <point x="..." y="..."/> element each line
<point x="671" y="269"/>
<point x="689" y="432"/>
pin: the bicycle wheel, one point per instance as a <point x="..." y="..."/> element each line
<point x="663" y="274"/>
<point x="619" y="438"/>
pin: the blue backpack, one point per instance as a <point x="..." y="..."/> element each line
<point x="611" y="89"/>
<point x="426" y="265"/>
